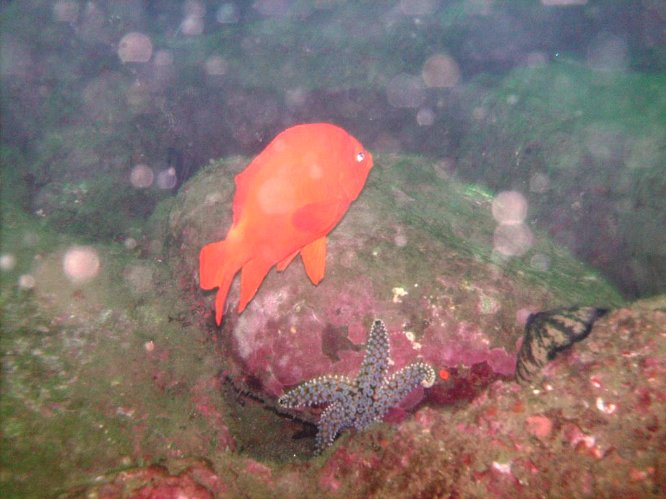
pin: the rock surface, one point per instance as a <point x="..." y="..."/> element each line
<point x="594" y="426"/>
<point x="123" y="372"/>
<point x="416" y="250"/>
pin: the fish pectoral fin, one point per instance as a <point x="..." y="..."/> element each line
<point x="314" y="259"/>
<point x="283" y="264"/>
<point x="318" y="217"/>
<point x="252" y="275"/>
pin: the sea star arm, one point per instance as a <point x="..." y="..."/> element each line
<point x="375" y="362"/>
<point x="335" y="418"/>
<point x="321" y="390"/>
<point x="399" y="384"/>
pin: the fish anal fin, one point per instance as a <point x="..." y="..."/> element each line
<point x="283" y="264"/>
<point x="252" y="275"/>
<point x="314" y="259"/>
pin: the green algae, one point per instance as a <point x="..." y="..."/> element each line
<point x="82" y="393"/>
<point x="117" y="376"/>
<point x="596" y="139"/>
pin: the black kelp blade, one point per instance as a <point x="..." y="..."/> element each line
<point x="549" y="332"/>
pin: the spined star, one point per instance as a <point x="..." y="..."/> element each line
<point x="362" y="401"/>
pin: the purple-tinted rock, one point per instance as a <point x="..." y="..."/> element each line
<point x="414" y="250"/>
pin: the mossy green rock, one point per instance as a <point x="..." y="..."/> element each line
<point x="416" y="250"/>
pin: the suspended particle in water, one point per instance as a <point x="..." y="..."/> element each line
<point x="142" y="176"/>
<point x="193" y="20"/>
<point x="440" y="71"/>
<point x="167" y="179"/>
<point x="400" y="239"/>
<point x="81" y="264"/>
<point x="509" y="207"/>
<point x="512" y="239"/>
<point x="7" y="262"/>
<point x="26" y="281"/>
<point x="135" y="47"/>
<point x="425" y="116"/>
<point x="192" y="26"/>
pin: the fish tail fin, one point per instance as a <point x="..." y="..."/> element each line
<point x="217" y="269"/>
<point x="252" y="275"/>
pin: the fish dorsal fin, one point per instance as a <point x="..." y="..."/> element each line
<point x="314" y="259"/>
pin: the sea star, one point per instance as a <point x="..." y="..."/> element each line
<point x="362" y="401"/>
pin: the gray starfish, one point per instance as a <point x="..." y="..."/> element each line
<point x="363" y="401"/>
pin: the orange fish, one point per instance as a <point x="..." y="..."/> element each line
<point x="287" y="200"/>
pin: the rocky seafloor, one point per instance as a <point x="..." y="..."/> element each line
<point x="123" y="385"/>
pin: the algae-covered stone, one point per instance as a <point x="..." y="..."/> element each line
<point x="585" y="147"/>
<point x="415" y="250"/>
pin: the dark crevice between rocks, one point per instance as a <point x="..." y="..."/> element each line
<point x="262" y="430"/>
<point x="270" y="434"/>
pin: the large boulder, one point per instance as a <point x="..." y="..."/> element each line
<point x="417" y="249"/>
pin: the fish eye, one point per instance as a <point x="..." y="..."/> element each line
<point x="360" y="156"/>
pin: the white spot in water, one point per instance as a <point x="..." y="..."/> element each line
<point x="440" y="71"/>
<point x="398" y="293"/>
<point x="135" y="47"/>
<point x="142" y="176"/>
<point x="400" y="240"/>
<point x="7" y="261"/>
<point x="425" y="116"/>
<point x="606" y="409"/>
<point x="412" y="339"/>
<point x="167" y="179"/>
<point x="512" y="239"/>
<point x="504" y="468"/>
<point x="26" y="281"/>
<point x="509" y="207"/>
<point x="81" y="264"/>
